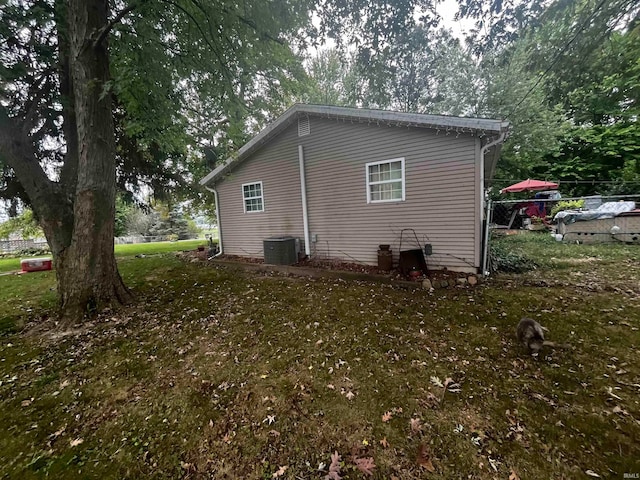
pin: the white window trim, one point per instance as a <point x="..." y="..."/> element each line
<point x="366" y="172"/>
<point x="244" y="199"/>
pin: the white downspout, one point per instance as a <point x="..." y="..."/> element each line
<point x="215" y="198"/>
<point x="483" y="151"/>
<point x="303" y="193"/>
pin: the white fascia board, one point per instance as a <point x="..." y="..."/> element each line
<point x="418" y="119"/>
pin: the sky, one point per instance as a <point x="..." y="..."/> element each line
<point x="3" y="214"/>
<point x="447" y="10"/>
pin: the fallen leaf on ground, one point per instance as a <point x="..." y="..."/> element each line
<point x="423" y="458"/>
<point x="618" y="409"/>
<point x="58" y="432"/>
<point x="452" y="386"/>
<point x="384" y="443"/>
<point x="416" y="425"/>
<point x="514" y="475"/>
<point x="365" y="465"/>
<point x="431" y="401"/>
<point x="591" y="473"/>
<point x="334" y="468"/>
<point x="280" y="471"/>
<point x="387" y="416"/>
<point x="76" y="442"/>
<point x="610" y="392"/>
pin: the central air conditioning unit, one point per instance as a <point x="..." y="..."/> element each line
<point x="281" y="250"/>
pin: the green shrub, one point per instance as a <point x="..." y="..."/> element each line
<point x="32" y="252"/>
<point x="567" y="205"/>
<point x="503" y="259"/>
<point x="27" y="252"/>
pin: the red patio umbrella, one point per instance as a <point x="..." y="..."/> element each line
<point x="530" y="185"/>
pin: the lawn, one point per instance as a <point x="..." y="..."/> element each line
<point x="157" y="247"/>
<point x="11" y="264"/>
<point x="220" y="374"/>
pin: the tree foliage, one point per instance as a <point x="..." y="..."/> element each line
<point x="597" y="84"/>
<point x="24" y="225"/>
<point x="564" y="73"/>
<point x="568" y="80"/>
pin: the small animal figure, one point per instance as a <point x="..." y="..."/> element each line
<point x="531" y="335"/>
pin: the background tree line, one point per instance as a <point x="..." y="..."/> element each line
<point x="171" y="222"/>
<point x="566" y="75"/>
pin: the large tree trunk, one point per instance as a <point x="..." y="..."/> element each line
<point x="78" y="212"/>
<point x="88" y="277"/>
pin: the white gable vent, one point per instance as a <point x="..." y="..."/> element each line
<point x="304" y="127"/>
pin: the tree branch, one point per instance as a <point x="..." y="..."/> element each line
<point x="242" y="19"/>
<point x="37" y="93"/>
<point x="254" y="26"/>
<point x="104" y="31"/>
<point x="18" y="152"/>
<point x="69" y="171"/>
<point x="216" y="51"/>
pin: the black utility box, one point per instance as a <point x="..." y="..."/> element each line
<point x="280" y="250"/>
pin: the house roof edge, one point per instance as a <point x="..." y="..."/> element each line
<point x="361" y="114"/>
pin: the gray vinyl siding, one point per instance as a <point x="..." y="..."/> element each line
<point x="276" y="166"/>
<point x="441" y="193"/>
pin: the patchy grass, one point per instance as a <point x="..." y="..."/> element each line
<point x="216" y="374"/>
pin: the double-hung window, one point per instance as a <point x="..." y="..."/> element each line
<point x="385" y="181"/>
<point x="253" y="197"/>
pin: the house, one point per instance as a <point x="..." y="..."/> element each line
<point x="346" y="180"/>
